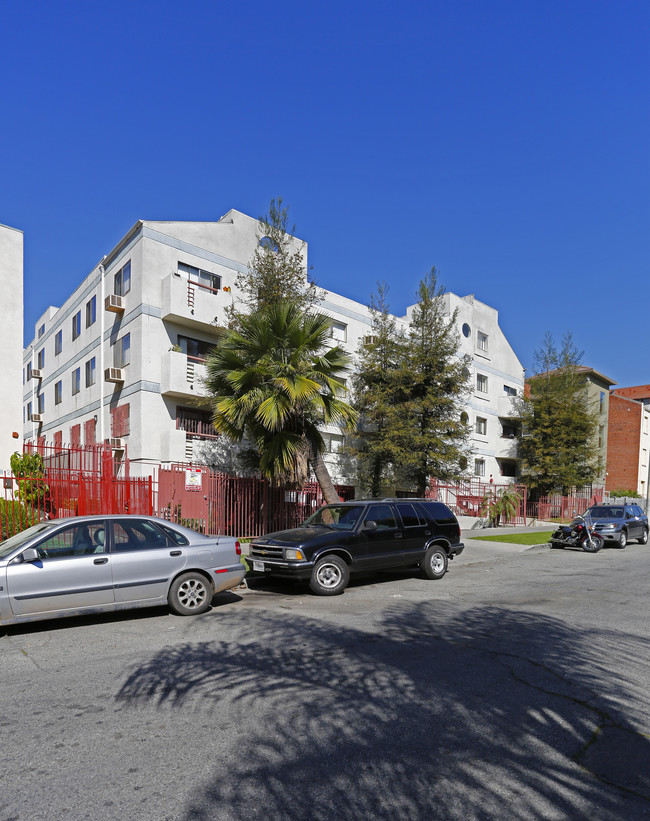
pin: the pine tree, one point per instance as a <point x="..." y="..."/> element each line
<point x="378" y="397"/>
<point x="435" y="380"/>
<point x="277" y="272"/>
<point x="559" y="426"/>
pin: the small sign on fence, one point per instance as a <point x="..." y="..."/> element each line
<point x="193" y="479"/>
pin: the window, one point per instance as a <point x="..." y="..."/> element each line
<point x="41" y="358"/>
<point x="409" y="515"/>
<point x="383" y="515"/>
<point x="58" y="392"/>
<point x="508" y="431"/>
<point x="29" y="411"/>
<point x="195" y="348"/>
<point x="481" y="426"/>
<point x="601" y="436"/>
<point x="58" y="343"/>
<point x="76" y="381"/>
<point x="122" y="281"/>
<point x="90" y="372"/>
<point x="204" y="279"/>
<point x="509" y="391"/>
<point x="137" y="535"/>
<point x="91" y="311"/>
<point x="76" y="325"/>
<point x="481" y="383"/>
<point x="29" y="370"/>
<point x="602" y="402"/>
<point x="75" y="435"/>
<point x="339" y="331"/>
<point x="644" y="458"/>
<point x="122" y="351"/>
<point x="482" y="341"/>
<point x="479" y="467"/>
<point x="41" y="402"/>
<point x="466" y="330"/>
<point x="370" y="340"/>
<point x="41" y="331"/>
<point x="508" y="468"/>
<point x="77" y="540"/>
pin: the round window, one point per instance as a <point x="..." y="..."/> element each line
<point x="466" y="330"/>
<point x="462" y="463"/>
<point x="464" y="418"/>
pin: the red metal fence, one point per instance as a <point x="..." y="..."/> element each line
<point x="470" y="498"/>
<point x="86" y="480"/>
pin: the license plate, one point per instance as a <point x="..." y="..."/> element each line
<point x="259" y="566"/>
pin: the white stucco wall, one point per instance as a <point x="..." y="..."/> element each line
<point x="11" y="286"/>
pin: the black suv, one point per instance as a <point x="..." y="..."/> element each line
<point x="359" y="536"/>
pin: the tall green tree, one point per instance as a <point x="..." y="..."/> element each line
<point x="377" y="397"/>
<point x="277" y="271"/>
<point x="274" y="381"/>
<point x="435" y="379"/>
<point x="559" y="426"/>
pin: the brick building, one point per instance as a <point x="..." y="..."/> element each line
<point x="628" y="439"/>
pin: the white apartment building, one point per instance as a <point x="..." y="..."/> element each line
<point x="123" y="359"/>
<point x="11" y="286"/>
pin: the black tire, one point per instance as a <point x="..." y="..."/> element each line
<point x="330" y="576"/>
<point x="644" y="538"/>
<point x="190" y="594"/>
<point x="434" y="563"/>
<point x="622" y="542"/>
<point x="594" y="545"/>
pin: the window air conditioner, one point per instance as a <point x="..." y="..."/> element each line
<point x="114" y="375"/>
<point x="37" y="373"/>
<point x="37" y="417"/>
<point x="116" y="444"/>
<point x="114" y="303"/>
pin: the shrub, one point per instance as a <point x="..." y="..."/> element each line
<point x="13" y="518"/>
<point x="621" y="492"/>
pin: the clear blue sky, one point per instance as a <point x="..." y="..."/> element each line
<point x="505" y="142"/>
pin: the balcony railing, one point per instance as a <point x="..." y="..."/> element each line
<point x="196" y="428"/>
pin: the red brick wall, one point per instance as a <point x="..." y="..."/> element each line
<point x="623" y="443"/>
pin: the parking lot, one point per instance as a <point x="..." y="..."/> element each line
<point x="515" y="687"/>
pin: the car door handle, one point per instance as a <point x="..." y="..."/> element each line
<point x="103" y="560"/>
<point x="427" y="532"/>
<point x="398" y="535"/>
<point x="175" y="552"/>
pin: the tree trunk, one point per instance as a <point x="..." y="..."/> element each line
<point x="322" y="475"/>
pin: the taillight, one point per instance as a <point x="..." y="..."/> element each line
<point x="237" y="547"/>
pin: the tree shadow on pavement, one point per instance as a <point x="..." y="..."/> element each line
<point x="439" y="713"/>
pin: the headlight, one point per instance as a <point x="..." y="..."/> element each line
<point x="610" y="526"/>
<point x="295" y="555"/>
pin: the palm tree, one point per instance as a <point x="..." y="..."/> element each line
<point x="275" y="382"/>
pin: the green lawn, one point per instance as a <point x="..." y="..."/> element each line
<point x="541" y="537"/>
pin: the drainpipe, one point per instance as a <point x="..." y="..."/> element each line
<point x="102" y="313"/>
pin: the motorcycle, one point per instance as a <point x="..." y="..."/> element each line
<point x="580" y="533"/>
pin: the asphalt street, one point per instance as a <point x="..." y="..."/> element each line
<point x="517" y="687"/>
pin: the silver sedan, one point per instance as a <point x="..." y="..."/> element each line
<point x="90" y="564"/>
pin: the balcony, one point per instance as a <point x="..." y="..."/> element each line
<point x="196" y="428"/>
<point x="508" y="407"/>
<point x="182" y="376"/>
<point x="193" y="305"/>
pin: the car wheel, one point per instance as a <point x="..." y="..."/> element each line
<point x="434" y="564"/>
<point x="593" y="544"/>
<point x="644" y="537"/>
<point x="190" y="594"/>
<point x="622" y="542"/>
<point x="330" y="576"/>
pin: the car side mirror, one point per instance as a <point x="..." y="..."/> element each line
<point x="370" y="525"/>
<point x="30" y="555"/>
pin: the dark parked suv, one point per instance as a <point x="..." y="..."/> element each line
<point x="619" y="523"/>
<point x="358" y="536"/>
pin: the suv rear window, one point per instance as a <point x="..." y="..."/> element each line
<point x="409" y="514"/>
<point x="439" y="512"/>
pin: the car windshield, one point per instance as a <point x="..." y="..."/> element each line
<point x="21" y="538"/>
<point x="342" y="517"/>
<point x="605" y="512"/>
